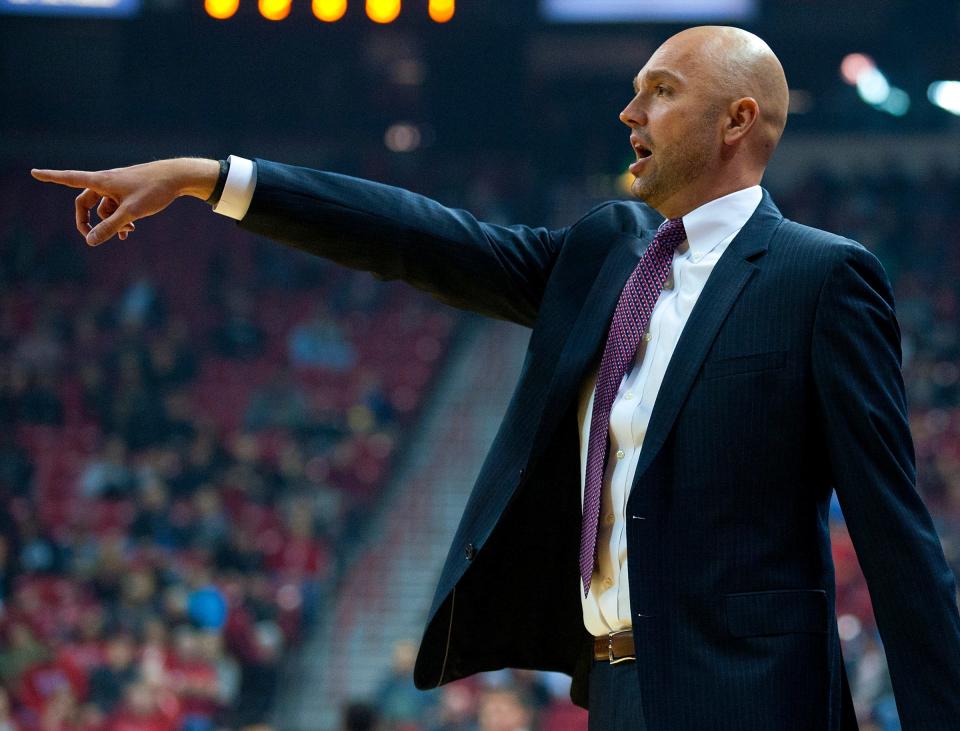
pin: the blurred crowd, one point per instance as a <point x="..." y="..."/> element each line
<point x="181" y="476"/>
<point x="187" y="461"/>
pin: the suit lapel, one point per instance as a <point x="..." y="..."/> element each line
<point x="589" y="331"/>
<point x="726" y="281"/>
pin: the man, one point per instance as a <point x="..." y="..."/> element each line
<point x="710" y="381"/>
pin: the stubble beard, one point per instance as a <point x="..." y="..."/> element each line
<point x="676" y="169"/>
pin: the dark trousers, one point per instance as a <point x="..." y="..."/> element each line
<point x="615" y="698"/>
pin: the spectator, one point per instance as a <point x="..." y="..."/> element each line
<point x="41" y="350"/>
<point x="319" y="343"/>
<point x="38" y="552"/>
<point x="194" y="680"/>
<point x="204" y="460"/>
<point x="375" y="399"/>
<point x="136" y="411"/>
<point x="60" y="711"/>
<point x="145" y="709"/>
<point x="51" y="686"/>
<point x="208" y="528"/>
<point x="107" y="474"/>
<point x="172" y="360"/>
<point x="360" y="717"/>
<point x="503" y="709"/>
<point x="456" y="709"/>
<point x="227" y="669"/>
<point x="138" y="598"/>
<point x="258" y="686"/>
<point x="16" y="468"/>
<point x="109" y="681"/>
<point x="141" y="304"/>
<point x="152" y="525"/>
<point x="20" y="651"/>
<point x="397" y="697"/>
<point x="6" y="712"/>
<point x="178" y="407"/>
<point x="238" y="336"/>
<point x="97" y="396"/>
<point x="281" y="402"/>
<point x="34" y="396"/>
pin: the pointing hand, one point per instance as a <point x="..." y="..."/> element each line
<point x="124" y="195"/>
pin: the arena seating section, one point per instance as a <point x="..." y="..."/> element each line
<point x="78" y="568"/>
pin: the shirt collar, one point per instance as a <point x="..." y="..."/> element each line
<point x="716" y="220"/>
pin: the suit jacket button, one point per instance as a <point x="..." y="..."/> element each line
<point x="523" y="471"/>
<point x="470" y="552"/>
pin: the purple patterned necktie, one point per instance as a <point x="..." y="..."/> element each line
<point x="630" y="320"/>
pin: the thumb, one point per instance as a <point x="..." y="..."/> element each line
<point x="109" y="227"/>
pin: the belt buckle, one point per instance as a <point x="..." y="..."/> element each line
<point x="617" y="660"/>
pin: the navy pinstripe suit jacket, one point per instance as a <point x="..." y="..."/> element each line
<point x="785" y="385"/>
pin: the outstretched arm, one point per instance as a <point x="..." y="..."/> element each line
<point x="494" y="270"/>
<point x="856" y="368"/>
<point x="499" y="271"/>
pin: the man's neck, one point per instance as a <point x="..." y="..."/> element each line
<point x="689" y="199"/>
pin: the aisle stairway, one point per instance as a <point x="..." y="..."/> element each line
<point x="388" y="590"/>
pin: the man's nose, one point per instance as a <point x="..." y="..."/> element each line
<point x="631" y="115"/>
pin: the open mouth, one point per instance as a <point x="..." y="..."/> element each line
<point x="642" y="150"/>
<point x="643" y="154"/>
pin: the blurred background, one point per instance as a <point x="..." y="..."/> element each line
<point x="229" y="471"/>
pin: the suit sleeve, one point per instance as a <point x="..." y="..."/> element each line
<point x="859" y="384"/>
<point x="500" y="271"/>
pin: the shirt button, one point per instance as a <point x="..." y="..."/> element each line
<point x="647" y="337"/>
<point x="607" y="582"/>
<point x="621" y="454"/>
<point x="668" y="284"/>
<point x="628" y="395"/>
<point x="609" y="519"/>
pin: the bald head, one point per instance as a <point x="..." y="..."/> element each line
<point x="709" y="108"/>
<point x="736" y="64"/>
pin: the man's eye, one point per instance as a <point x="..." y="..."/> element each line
<point x="661" y="90"/>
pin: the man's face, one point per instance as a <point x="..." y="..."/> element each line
<point x="675" y="119"/>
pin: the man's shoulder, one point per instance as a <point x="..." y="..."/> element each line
<point x="810" y="235"/>
<point x="627" y="216"/>
<point x="820" y="245"/>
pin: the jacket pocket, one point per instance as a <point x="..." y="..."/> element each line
<point x="745" y="364"/>
<point x="775" y="612"/>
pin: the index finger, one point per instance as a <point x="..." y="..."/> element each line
<point x="73" y="178"/>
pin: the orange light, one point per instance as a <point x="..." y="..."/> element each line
<point x="383" y="11"/>
<point x="221" y="9"/>
<point x="274" y="9"/>
<point x="442" y="10"/>
<point x="329" y="11"/>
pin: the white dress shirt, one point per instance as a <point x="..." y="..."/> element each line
<point x="238" y="189"/>
<point x="710" y="228"/>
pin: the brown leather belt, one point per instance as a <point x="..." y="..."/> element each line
<point x="616" y="647"/>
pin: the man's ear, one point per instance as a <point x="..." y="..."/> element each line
<point x="742" y="114"/>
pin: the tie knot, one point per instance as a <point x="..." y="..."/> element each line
<point x="671" y="233"/>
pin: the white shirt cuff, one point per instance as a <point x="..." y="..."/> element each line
<point x="238" y="190"/>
